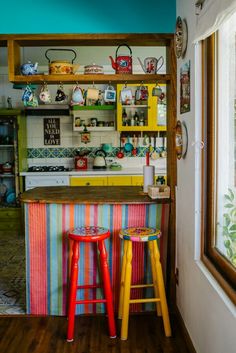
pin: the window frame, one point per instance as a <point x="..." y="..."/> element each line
<point x="217" y="264"/>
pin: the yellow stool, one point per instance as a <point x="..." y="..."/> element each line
<point x="150" y="235"/>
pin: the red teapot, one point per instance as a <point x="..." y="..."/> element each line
<point x="123" y="63"/>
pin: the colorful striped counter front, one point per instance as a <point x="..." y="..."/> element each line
<point x="51" y="212"/>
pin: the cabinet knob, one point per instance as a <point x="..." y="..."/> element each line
<point x="87" y="183"/>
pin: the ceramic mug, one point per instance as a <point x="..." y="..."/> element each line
<point x="27" y="94"/>
<point x="93" y="93"/>
<point x="44" y="94"/>
<point x="77" y="96"/>
<point x="60" y="95"/>
<point x="126" y="95"/>
<point x="157" y="91"/>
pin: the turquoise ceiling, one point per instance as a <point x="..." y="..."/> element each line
<point x="74" y="16"/>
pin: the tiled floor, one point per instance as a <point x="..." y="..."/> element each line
<point x="12" y="274"/>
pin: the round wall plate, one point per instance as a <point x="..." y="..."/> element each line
<point x="181" y="139"/>
<point x="180" y="37"/>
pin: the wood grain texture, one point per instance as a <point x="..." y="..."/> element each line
<point x="171" y="167"/>
<point x="102" y="78"/>
<point x="89" y="195"/>
<point x="137" y="39"/>
<point x="48" y="334"/>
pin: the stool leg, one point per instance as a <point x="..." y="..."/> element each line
<point x="122" y="281"/>
<point x="73" y="290"/>
<point x="164" y="307"/>
<point x="127" y="284"/>
<point x="154" y="277"/>
<point x="107" y="288"/>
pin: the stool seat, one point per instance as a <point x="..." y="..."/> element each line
<point x="142" y="234"/>
<point x="96" y="235"/>
<point x="89" y="233"/>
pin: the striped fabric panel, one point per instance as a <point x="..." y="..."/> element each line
<point x="48" y="252"/>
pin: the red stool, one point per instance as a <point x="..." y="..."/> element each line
<point x="89" y="234"/>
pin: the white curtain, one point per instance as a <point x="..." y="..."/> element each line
<point x="213" y="14"/>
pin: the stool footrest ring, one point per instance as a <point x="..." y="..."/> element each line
<point x="89" y="286"/>
<point x="147" y="300"/>
<point x="90" y="301"/>
<point x="142" y="286"/>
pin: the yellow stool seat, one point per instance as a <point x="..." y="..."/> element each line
<point x="149" y="235"/>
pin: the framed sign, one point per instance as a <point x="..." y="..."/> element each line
<point x="52" y="134"/>
<point x="185" y="88"/>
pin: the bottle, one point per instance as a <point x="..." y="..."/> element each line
<point x="136" y="119"/>
<point x="132" y="121"/>
<point x="124" y="118"/>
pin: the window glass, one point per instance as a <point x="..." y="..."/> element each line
<point x="225" y="142"/>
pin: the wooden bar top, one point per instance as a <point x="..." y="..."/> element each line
<point x="89" y="195"/>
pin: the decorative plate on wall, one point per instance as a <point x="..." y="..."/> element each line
<point x="181" y="37"/>
<point x="181" y="139"/>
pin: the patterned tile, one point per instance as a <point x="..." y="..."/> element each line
<point x="69" y="152"/>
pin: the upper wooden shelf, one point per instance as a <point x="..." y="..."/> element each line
<point x="16" y="42"/>
<point x="90" y="78"/>
<point x="44" y="40"/>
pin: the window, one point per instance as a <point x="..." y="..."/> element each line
<point x="219" y="162"/>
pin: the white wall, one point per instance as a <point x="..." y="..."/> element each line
<point x="208" y="314"/>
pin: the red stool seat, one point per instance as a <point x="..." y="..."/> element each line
<point x="98" y="235"/>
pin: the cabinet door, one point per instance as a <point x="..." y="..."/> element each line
<point x="88" y="181"/>
<point x="119" y="180"/>
<point x="141" y="114"/>
<point x="137" y="180"/>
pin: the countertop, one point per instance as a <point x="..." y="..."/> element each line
<point x="95" y="172"/>
<point x="89" y="195"/>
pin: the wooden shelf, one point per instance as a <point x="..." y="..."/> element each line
<point x="95" y="128"/>
<point x="106" y="78"/>
<point x="93" y="107"/>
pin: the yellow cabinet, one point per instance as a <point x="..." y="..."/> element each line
<point x="119" y="180"/>
<point x="137" y="180"/>
<point x="88" y="181"/>
<point x="142" y="114"/>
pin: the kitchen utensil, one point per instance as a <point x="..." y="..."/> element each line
<point x="115" y="166"/>
<point x="44" y="94"/>
<point x="154" y="154"/>
<point x="122" y="63"/>
<point x="128" y="147"/>
<point x="134" y="140"/>
<point x="10" y="196"/>
<point x="60" y="95"/>
<point x="99" y="160"/>
<point x="77" y="96"/>
<point x="85" y="135"/>
<point x="7" y="168"/>
<point x="151" y="65"/>
<point x="81" y="161"/>
<point x="62" y="67"/>
<point x="92" y="93"/>
<point x="110" y="94"/>
<point x="28" y="68"/>
<point x="126" y="95"/>
<point x="27" y="94"/>
<point x="107" y="147"/>
<point x="156" y="91"/>
<point x="93" y="69"/>
<point x="120" y="154"/>
<point x="141" y="93"/>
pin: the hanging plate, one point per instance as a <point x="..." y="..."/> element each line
<point x="181" y="37"/>
<point x="181" y="140"/>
